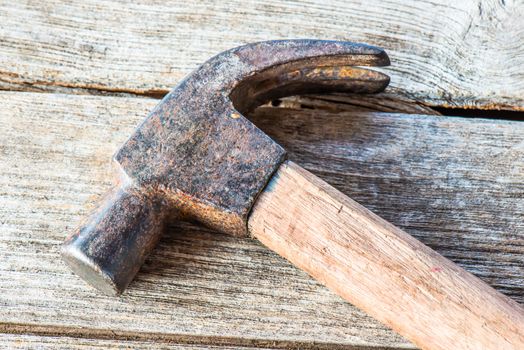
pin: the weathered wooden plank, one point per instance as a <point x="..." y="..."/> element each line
<point x="455" y="184"/>
<point x="55" y="152"/>
<point x="25" y="341"/>
<point x="445" y="53"/>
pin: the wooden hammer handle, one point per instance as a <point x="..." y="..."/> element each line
<point x="380" y="268"/>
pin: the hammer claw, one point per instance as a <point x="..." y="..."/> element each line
<point x="307" y="52"/>
<point x="294" y="80"/>
<point x="268" y="70"/>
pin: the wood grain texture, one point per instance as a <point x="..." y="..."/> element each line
<point x="455" y="184"/>
<point x="445" y="53"/>
<point x="335" y="103"/>
<point x="380" y="268"/>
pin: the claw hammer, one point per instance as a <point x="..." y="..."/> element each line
<point x="197" y="157"/>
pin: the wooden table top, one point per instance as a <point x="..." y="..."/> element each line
<point x="76" y="77"/>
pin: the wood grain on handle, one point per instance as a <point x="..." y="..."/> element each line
<point x="380" y="268"/>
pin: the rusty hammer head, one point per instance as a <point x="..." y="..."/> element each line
<point x="196" y="156"/>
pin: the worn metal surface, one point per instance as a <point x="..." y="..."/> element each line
<point x="199" y="153"/>
<point x="110" y="248"/>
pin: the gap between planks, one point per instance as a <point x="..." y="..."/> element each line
<point x="76" y="338"/>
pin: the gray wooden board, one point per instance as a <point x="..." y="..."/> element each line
<point x="444" y="53"/>
<point x="456" y="184"/>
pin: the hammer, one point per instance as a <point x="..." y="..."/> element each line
<point x="196" y="157"/>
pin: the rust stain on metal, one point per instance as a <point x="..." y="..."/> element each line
<point x="197" y="157"/>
